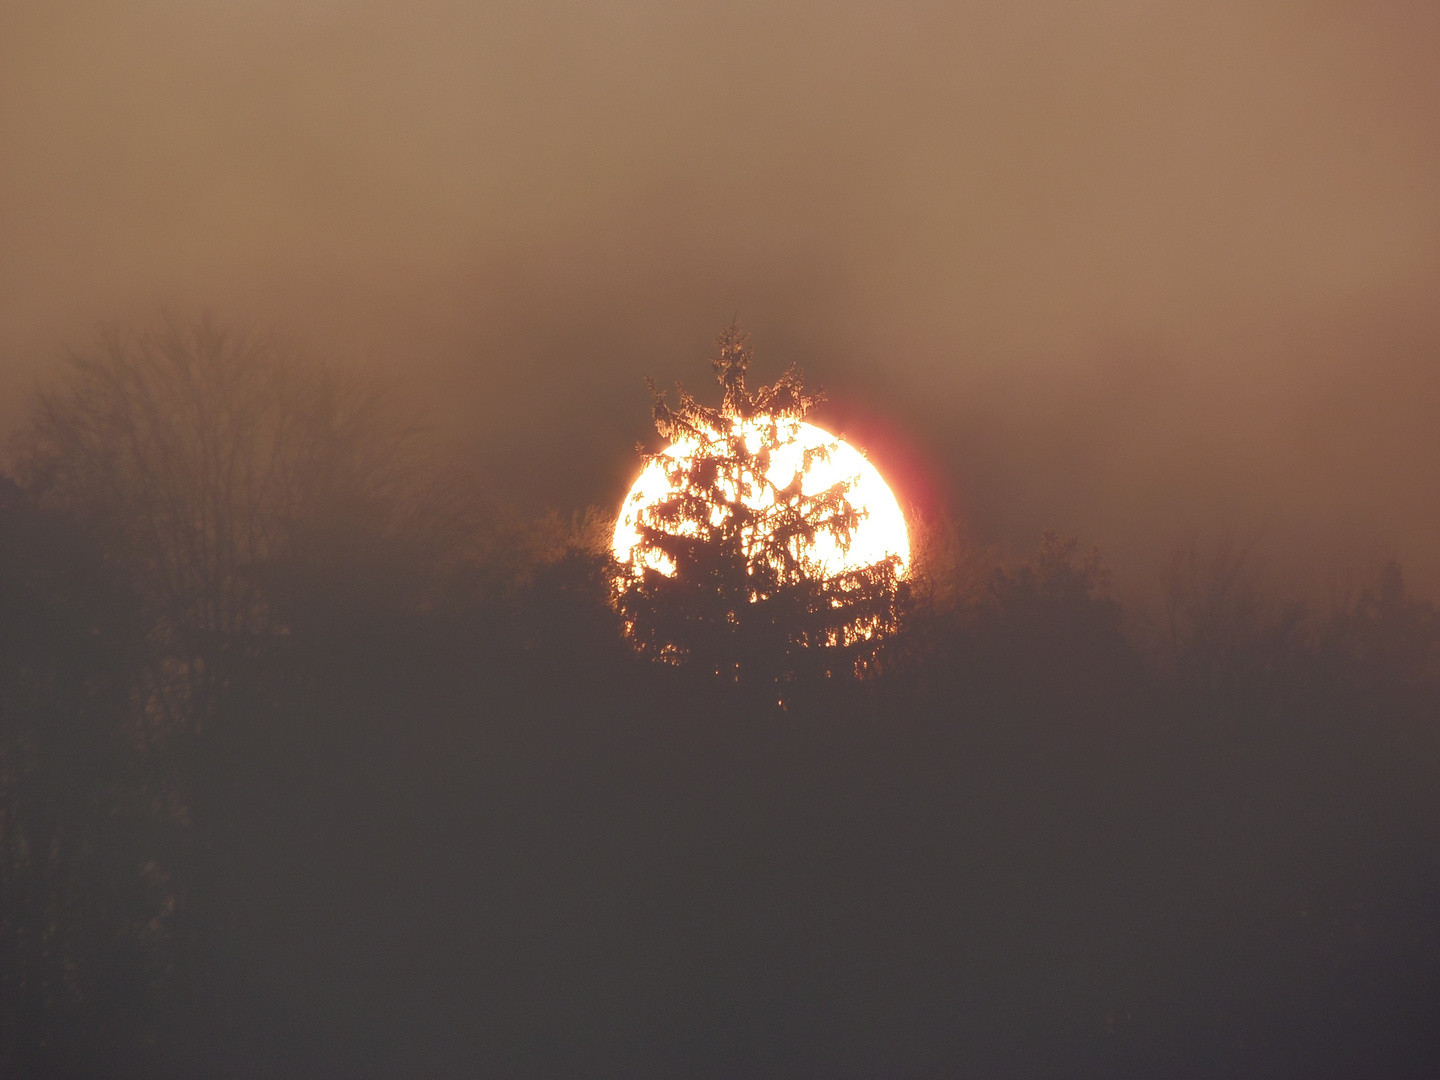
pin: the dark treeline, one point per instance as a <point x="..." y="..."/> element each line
<point x="312" y="764"/>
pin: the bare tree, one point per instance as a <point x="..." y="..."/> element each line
<point x="1222" y="637"/>
<point x="235" y="482"/>
<point x="201" y="457"/>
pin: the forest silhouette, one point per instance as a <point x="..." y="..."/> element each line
<point x="313" y="762"/>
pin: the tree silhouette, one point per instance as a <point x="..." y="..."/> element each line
<point x="1391" y="639"/>
<point x="203" y="459"/>
<point x="258" y="502"/>
<point x="725" y="575"/>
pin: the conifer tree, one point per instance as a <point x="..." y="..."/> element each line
<point x="725" y="574"/>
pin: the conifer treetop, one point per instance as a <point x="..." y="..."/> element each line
<point x="724" y="571"/>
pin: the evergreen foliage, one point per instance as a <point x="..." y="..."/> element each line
<point x="723" y="576"/>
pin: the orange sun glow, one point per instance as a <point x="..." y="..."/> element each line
<point x="879" y="534"/>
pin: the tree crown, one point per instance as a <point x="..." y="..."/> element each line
<point x="728" y="568"/>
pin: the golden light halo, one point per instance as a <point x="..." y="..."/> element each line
<point x="881" y="531"/>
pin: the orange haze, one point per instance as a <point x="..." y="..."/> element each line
<point x="1133" y="270"/>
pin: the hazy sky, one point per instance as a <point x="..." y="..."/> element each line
<point x="1128" y="269"/>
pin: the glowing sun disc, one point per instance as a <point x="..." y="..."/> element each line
<point x="881" y="530"/>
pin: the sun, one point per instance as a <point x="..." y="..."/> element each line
<point x="879" y="534"/>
